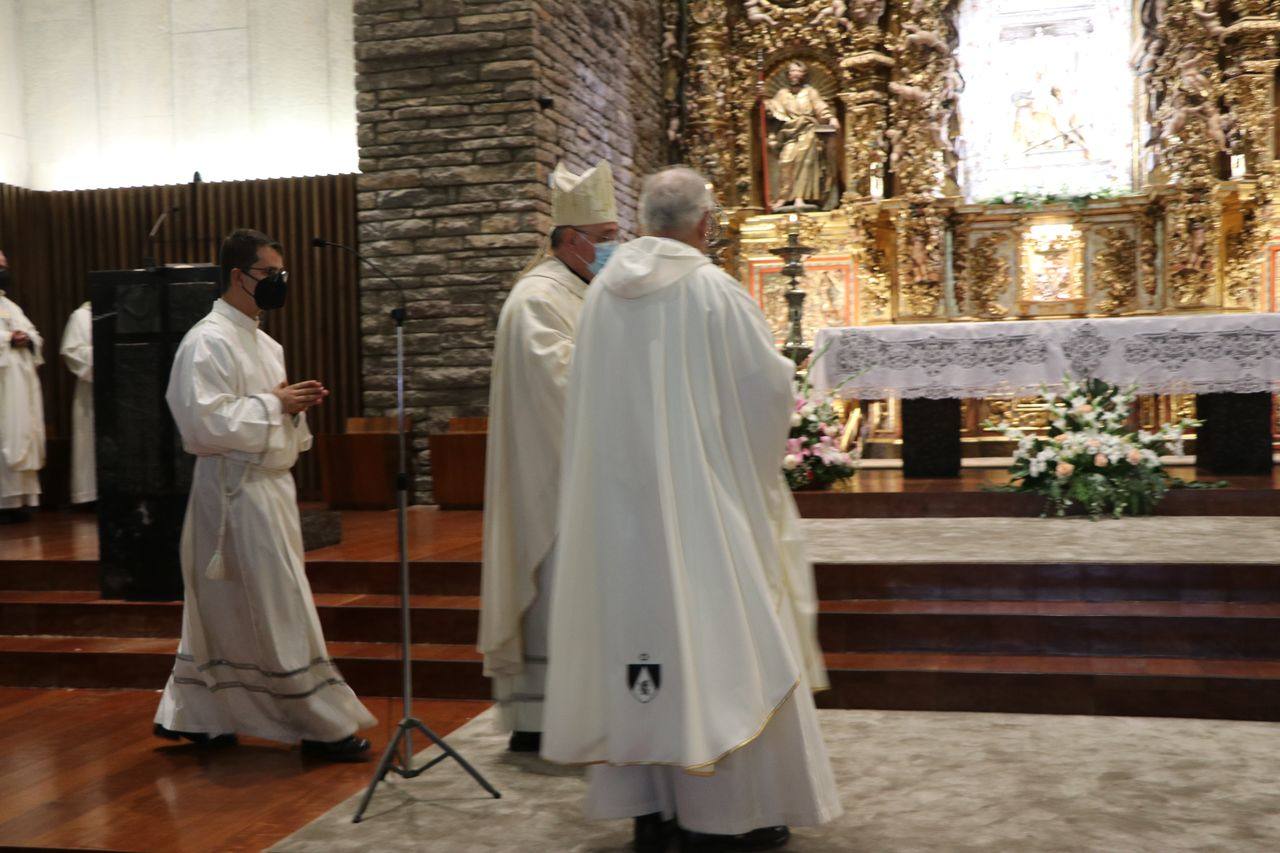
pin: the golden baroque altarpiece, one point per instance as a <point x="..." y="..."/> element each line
<point x="846" y="112"/>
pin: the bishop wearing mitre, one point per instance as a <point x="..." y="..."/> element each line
<point x="21" y="408"/>
<point x="683" y="645"/>
<point x="534" y="346"/>
<point x="77" y="353"/>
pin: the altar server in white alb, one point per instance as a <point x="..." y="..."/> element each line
<point x="252" y="659"/>
<point x="77" y="353"/>
<point x="531" y="358"/>
<point x="683" y="634"/>
<point x="21" y="407"/>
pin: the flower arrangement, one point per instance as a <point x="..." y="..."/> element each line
<point x="814" y="458"/>
<point x="1089" y="458"/>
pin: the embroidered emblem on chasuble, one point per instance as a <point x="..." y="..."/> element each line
<point x="644" y="679"/>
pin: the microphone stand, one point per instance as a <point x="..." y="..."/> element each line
<point x="393" y="760"/>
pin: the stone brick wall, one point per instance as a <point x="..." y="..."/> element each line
<point x="457" y="139"/>
<point x="601" y="64"/>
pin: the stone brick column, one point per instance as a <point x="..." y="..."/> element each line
<point x="464" y="106"/>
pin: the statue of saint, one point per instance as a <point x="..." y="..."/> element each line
<point x="803" y="168"/>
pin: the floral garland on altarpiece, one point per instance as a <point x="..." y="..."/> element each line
<point x="1089" y="458"/>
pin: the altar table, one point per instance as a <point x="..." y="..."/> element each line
<point x="1231" y="360"/>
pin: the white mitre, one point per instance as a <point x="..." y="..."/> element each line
<point x="585" y="199"/>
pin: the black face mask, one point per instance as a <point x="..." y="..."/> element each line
<point x="271" y="291"/>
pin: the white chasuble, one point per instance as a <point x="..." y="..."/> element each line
<point x="252" y="658"/>
<point x="77" y="352"/>
<point x="21" y="410"/>
<point x="531" y="360"/>
<point x="683" y="618"/>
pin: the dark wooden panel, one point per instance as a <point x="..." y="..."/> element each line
<point x="54" y="239"/>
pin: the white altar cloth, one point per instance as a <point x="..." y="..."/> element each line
<point x="1191" y="354"/>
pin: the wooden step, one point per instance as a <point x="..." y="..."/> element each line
<point x="49" y="574"/>
<point x="458" y="577"/>
<point x="1083" y="581"/>
<point x="1037" y="684"/>
<point x="972" y="503"/>
<point x="1140" y="629"/>
<point x="373" y="669"/>
<point x="370" y="618"/>
<point x="1227" y="689"/>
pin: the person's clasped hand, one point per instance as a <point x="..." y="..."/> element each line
<point x="300" y="396"/>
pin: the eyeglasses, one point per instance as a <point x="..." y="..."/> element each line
<point x="270" y="271"/>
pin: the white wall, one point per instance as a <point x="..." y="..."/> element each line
<point x="13" y="134"/>
<point x="136" y="92"/>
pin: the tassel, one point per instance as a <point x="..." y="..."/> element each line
<point x="216" y="571"/>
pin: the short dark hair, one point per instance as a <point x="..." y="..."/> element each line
<point x="240" y="251"/>
<point x="558" y="235"/>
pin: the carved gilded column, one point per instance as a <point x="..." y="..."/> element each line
<point x="709" y="121"/>
<point x="1249" y="89"/>
<point x="919" y="137"/>
<point x="1193" y="134"/>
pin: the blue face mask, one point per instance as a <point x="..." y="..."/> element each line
<point x="604" y="251"/>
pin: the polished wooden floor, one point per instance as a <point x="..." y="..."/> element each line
<point x="79" y="770"/>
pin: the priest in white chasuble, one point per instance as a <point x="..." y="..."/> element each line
<point x="252" y="659"/>
<point x="22" y="445"/>
<point x="683" y="622"/>
<point x="534" y="345"/>
<point x="77" y="353"/>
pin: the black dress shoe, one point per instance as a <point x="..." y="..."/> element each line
<point x="765" y="838"/>
<point x="525" y="742"/>
<point x="350" y="748"/>
<point x="652" y="833"/>
<point x="195" y="737"/>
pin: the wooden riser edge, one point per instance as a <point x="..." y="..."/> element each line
<point x="977" y="504"/>
<point x="1054" y="693"/>
<point x="1019" y="692"/>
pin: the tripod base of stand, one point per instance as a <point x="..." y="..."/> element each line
<point x="405" y="770"/>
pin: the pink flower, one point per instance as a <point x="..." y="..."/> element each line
<point x="1064" y="469"/>
<point x="795" y="446"/>
<point x="1086" y="408"/>
<point x="1134" y="457"/>
<point x="1100" y="460"/>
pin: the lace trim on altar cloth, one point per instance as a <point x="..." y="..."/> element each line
<point x="1208" y="354"/>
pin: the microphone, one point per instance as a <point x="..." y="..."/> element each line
<point x="148" y="260"/>
<point x="397" y="314"/>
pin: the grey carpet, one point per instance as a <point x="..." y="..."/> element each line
<point x="910" y="781"/>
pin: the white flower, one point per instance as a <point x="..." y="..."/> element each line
<point x="808" y="409"/>
<point x="790" y="461"/>
<point x="796" y="419"/>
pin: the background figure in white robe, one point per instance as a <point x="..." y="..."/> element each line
<point x="522" y="470"/>
<point x="77" y="352"/>
<point x="683" y="630"/>
<point x="21" y="408"/>
<point x="252" y="658"/>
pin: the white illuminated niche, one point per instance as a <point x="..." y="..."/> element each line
<point x="1048" y="100"/>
